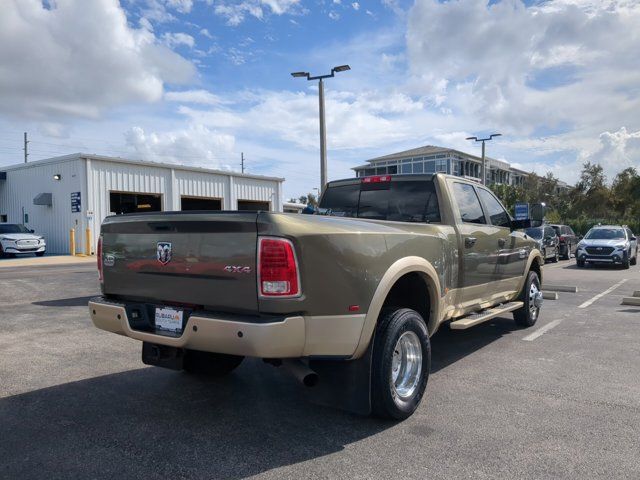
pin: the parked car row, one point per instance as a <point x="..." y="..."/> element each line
<point x="604" y="244"/>
<point x="554" y="241"/>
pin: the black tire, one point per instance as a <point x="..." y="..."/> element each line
<point x="626" y="262"/>
<point x="39" y="254"/>
<point x="211" y="364"/>
<point x="567" y="255"/>
<point x="556" y="257"/>
<point x="634" y="260"/>
<point x="526" y="316"/>
<point x="580" y="263"/>
<point x="386" y="401"/>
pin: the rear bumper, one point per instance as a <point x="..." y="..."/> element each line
<point x="291" y="337"/>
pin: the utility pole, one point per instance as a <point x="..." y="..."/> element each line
<point x="26" y="153"/>
<point x="242" y="161"/>
<point x="484" y="160"/>
<point x="323" y="130"/>
<point x="323" y="137"/>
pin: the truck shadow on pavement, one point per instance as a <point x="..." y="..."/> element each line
<point x="66" y="302"/>
<point x="155" y="423"/>
<point x="448" y="346"/>
<point x="158" y="423"/>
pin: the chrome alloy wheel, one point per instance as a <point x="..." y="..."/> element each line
<point x="535" y="300"/>
<point x="406" y="366"/>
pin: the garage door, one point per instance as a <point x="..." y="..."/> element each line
<point x="253" y="205"/>
<point x="200" y="203"/>
<point x="125" y="202"/>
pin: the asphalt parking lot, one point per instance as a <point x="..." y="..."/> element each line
<point x="559" y="400"/>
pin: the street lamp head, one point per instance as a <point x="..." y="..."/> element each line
<point x="300" y="74"/>
<point x="495" y="135"/>
<point x="471" y="138"/>
<point x="341" y="68"/>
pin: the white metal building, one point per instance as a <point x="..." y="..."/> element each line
<point x="78" y="191"/>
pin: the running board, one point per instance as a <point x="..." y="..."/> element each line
<point x="484" y="315"/>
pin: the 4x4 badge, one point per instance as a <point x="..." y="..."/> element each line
<point x="164" y="252"/>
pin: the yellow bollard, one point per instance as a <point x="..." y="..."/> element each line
<point x="72" y="242"/>
<point x="87" y="242"/>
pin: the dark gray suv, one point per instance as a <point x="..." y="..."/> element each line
<point x="613" y="244"/>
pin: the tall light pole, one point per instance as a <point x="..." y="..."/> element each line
<point x="323" y="131"/>
<point x="484" y="163"/>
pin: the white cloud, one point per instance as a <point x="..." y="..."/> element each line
<point x="183" y="6"/>
<point x="202" y="97"/>
<point x="530" y="67"/>
<point x="354" y="120"/>
<point x="235" y="12"/>
<point x="79" y="58"/>
<point x="334" y="15"/>
<point x="174" y="39"/>
<point x="197" y="145"/>
<point x="617" y="151"/>
<point x="355" y="5"/>
<point x="205" y="33"/>
<point x="160" y="10"/>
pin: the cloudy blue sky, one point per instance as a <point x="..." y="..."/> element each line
<point x="200" y="81"/>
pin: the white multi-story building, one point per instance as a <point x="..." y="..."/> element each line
<point x="78" y="191"/>
<point x="431" y="159"/>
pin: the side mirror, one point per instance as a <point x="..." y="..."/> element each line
<point x="633" y="239"/>
<point x="520" y="224"/>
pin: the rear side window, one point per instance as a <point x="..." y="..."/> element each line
<point x="400" y="201"/>
<point x="497" y="214"/>
<point x="468" y="203"/>
<point x="342" y="200"/>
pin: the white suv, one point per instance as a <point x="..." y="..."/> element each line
<point x="613" y="244"/>
<point x="15" y="238"/>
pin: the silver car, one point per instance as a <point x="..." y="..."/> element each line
<point x="613" y="244"/>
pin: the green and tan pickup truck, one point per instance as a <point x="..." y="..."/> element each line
<point x="346" y="300"/>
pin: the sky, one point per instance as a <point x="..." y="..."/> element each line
<point x="199" y="82"/>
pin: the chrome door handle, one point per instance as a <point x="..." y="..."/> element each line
<point x="501" y="242"/>
<point x="470" y="241"/>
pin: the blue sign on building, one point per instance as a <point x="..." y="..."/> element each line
<point x="521" y="211"/>
<point x="76" y="204"/>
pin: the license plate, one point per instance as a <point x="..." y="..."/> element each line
<point x="169" y="319"/>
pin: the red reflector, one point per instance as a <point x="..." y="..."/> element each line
<point x="377" y="179"/>
<point x="354" y="308"/>
<point x="99" y="258"/>
<point x="277" y="268"/>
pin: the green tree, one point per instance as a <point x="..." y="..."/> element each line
<point x="625" y="193"/>
<point x="308" y="199"/>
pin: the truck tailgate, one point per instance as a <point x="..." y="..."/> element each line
<point x="205" y="258"/>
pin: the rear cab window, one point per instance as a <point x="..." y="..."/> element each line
<point x="398" y="199"/>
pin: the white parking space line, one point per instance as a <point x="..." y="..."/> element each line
<point x="542" y="330"/>
<point x="600" y="295"/>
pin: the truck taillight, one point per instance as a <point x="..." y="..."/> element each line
<point x="277" y="268"/>
<point x="99" y="258"/>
